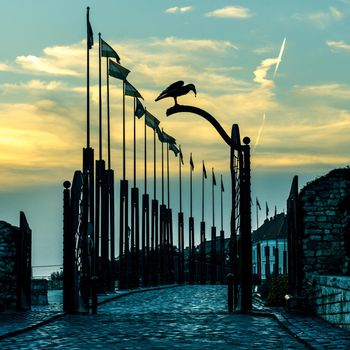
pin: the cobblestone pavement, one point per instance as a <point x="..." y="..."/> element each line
<point x="189" y="317"/>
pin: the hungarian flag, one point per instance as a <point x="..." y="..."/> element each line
<point x="173" y="148"/>
<point x="191" y="162"/>
<point x="90" y="34"/>
<point x="204" y="171"/>
<point x="222" y="185"/>
<point x="214" y="180"/>
<point x="108" y="51"/>
<point x="131" y="91"/>
<point x="151" y="121"/>
<point x="115" y="70"/>
<point x="165" y="138"/>
<point x="139" y="111"/>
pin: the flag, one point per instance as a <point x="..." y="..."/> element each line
<point x="222" y="185"/>
<point x="139" y="111"/>
<point x="191" y="163"/>
<point x="267" y="210"/>
<point x="204" y="171"/>
<point x="108" y="51"/>
<point x="258" y="204"/>
<point x="214" y="180"/>
<point x="90" y="34"/>
<point x="115" y="70"/>
<point x="151" y="121"/>
<point x="173" y="148"/>
<point x="165" y="138"/>
<point x="131" y="91"/>
<point x="181" y="156"/>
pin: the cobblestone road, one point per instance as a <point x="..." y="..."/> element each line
<point x="189" y="317"/>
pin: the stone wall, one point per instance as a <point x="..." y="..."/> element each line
<point x="325" y="208"/>
<point x="7" y="266"/>
<point x="331" y="299"/>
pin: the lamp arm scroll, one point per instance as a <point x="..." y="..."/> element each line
<point x="201" y="113"/>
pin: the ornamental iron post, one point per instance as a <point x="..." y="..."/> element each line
<point x="244" y="168"/>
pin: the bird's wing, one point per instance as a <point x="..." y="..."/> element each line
<point x="172" y="87"/>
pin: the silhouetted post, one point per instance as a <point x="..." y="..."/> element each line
<point x="135" y="214"/>
<point x="94" y="281"/>
<point x="68" y="252"/>
<point x="276" y="253"/>
<point x="258" y="258"/>
<point x="267" y="262"/>
<point x="191" y="258"/>
<point x="222" y="237"/>
<point x="180" y="227"/>
<point x="213" y="235"/>
<point x="154" y="231"/>
<point x="245" y="223"/>
<point x="146" y="258"/>
<point x="203" y="272"/>
<point x="230" y="281"/>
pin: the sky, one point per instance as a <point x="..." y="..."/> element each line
<point x="297" y="116"/>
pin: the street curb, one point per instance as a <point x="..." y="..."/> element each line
<point x="283" y="322"/>
<point x="61" y="314"/>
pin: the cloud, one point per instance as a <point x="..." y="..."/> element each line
<point x="177" y="9"/>
<point x="338" y="45"/>
<point x="321" y="19"/>
<point x="336" y="91"/>
<point x="56" y="60"/>
<point x="34" y="84"/>
<point x="230" y="12"/>
<point x="195" y="44"/>
<point x="4" y="67"/>
<point x="262" y="70"/>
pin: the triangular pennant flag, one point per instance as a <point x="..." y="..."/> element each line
<point x="204" y="171"/>
<point x="181" y="156"/>
<point x="90" y="34"/>
<point x="258" y="204"/>
<point x="152" y="121"/>
<point x="173" y="148"/>
<point x="165" y="138"/>
<point x="131" y="91"/>
<point x="117" y="71"/>
<point x="139" y="110"/>
<point x="191" y="163"/>
<point x="214" y="180"/>
<point x="108" y="51"/>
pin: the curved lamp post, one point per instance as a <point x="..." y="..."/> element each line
<point x="242" y="267"/>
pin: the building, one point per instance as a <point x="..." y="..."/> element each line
<point x="270" y="246"/>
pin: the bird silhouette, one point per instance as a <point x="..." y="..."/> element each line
<point x="177" y="89"/>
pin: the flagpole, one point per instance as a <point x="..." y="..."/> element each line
<point x="257" y="215"/>
<point x="135" y="142"/>
<point x="108" y="120"/>
<point x="167" y="173"/>
<point x="203" y="193"/>
<point x="145" y="154"/>
<point x="99" y="98"/>
<point x="180" y="187"/>
<point x="222" y="208"/>
<point x="154" y="164"/>
<point x="191" y="187"/>
<point x="162" y="173"/>
<point x="123" y="129"/>
<point x="87" y="84"/>
<point x="212" y="191"/>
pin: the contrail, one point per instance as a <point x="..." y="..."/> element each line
<point x="259" y="132"/>
<point x="279" y="58"/>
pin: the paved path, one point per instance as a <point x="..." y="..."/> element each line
<point x="189" y="317"/>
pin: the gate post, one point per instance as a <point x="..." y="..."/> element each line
<point x="68" y="252"/>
